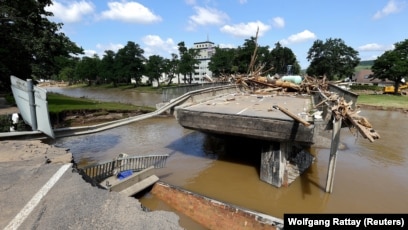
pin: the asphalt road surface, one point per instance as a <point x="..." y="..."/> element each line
<point x="40" y="190"/>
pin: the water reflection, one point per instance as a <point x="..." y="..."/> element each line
<point x="112" y="95"/>
<point x="391" y="150"/>
<point x="87" y="149"/>
<point x="369" y="177"/>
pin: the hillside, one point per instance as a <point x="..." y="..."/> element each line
<point x="364" y="65"/>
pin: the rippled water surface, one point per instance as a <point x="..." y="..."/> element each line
<point x="369" y="177"/>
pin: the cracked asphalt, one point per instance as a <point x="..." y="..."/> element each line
<point x="26" y="166"/>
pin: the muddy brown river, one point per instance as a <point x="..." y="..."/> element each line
<point x="369" y="177"/>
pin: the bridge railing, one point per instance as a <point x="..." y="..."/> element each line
<point x="169" y="93"/>
<point x="347" y="95"/>
<point x="100" y="171"/>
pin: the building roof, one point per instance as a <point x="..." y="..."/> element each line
<point x="365" y="76"/>
<point x="203" y="42"/>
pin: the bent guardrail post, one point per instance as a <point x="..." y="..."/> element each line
<point x="31" y="102"/>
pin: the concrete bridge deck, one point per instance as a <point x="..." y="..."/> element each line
<point x="250" y="116"/>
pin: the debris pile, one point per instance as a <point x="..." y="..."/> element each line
<point x="342" y="110"/>
<point x="256" y="82"/>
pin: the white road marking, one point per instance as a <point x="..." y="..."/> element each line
<point x="29" y="207"/>
<point x="242" y="111"/>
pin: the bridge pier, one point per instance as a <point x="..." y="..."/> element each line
<point x="283" y="162"/>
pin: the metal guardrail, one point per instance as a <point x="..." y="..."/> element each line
<point x="101" y="171"/>
<point x="169" y="93"/>
<point x="72" y="131"/>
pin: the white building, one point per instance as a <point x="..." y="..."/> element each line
<point x="206" y="51"/>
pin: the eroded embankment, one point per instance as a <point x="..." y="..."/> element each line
<point x="211" y="213"/>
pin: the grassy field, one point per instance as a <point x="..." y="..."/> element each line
<point x="384" y="101"/>
<point x="58" y="103"/>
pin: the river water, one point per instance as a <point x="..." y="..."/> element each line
<point x="369" y="177"/>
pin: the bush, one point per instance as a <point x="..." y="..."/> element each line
<point x="5" y="123"/>
<point x="366" y="87"/>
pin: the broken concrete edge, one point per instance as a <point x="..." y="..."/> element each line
<point x="239" y="217"/>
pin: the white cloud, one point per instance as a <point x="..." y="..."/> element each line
<point x="190" y="2"/>
<point x="278" y="22"/>
<point x="392" y="7"/>
<point x="246" y="30"/>
<point x="73" y="12"/>
<point x="154" y="45"/>
<point x="227" y="46"/>
<point x="132" y="12"/>
<point x="375" y="47"/>
<point x="206" y="16"/>
<point x="370" y="57"/>
<point x="114" y="47"/>
<point x="299" y="37"/>
<point x="89" y="53"/>
<point x="242" y="1"/>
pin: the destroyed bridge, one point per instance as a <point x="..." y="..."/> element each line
<point x="289" y="121"/>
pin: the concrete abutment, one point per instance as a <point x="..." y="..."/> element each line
<point x="283" y="162"/>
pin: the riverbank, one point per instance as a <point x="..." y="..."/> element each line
<point x="26" y="165"/>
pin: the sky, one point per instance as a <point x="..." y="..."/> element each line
<point x="157" y="26"/>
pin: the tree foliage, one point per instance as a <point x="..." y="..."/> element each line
<point x="30" y="43"/>
<point x="244" y="54"/>
<point x="229" y="61"/>
<point x="107" y="67"/>
<point x="171" y="67"/>
<point x="129" y="62"/>
<point x="282" y="57"/>
<point x="188" y="61"/>
<point x="155" y="67"/>
<point x="222" y="62"/>
<point x="333" y="59"/>
<point x="393" y="64"/>
<point x="88" y="69"/>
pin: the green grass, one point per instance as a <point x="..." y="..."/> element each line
<point x="58" y="103"/>
<point x="384" y="101"/>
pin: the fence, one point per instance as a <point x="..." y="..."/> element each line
<point x="104" y="170"/>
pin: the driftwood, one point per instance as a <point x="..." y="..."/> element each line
<point x="342" y="110"/>
<point x="295" y="117"/>
<point x="363" y="126"/>
<point x="254" y="81"/>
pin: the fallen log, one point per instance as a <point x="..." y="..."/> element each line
<point x="295" y="117"/>
<point x="286" y="84"/>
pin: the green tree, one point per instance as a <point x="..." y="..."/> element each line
<point x="393" y="64"/>
<point x="88" y="69"/>
<point x="333" y="59"/>
<point x="67" y="66"/>
<point x="129" y="62"/>
<point x="244" y="54"/>
<point x="188" y="61"/>
<point x="281" y="58"/>
<point x="222" y="61"/>
<point x="30" y="43"/>
<point x="107" y="67"/>
<point x="154" y="68"/>
<point x="171" y="68"/>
